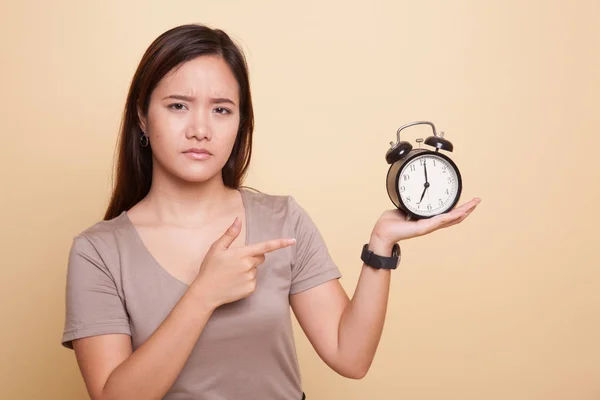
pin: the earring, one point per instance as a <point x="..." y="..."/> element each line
<point x="144" y="140"/>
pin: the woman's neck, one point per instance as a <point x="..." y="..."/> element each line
<point x="187" y="204"/>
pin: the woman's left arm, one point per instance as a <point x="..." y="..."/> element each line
<point x="345" y="333"/>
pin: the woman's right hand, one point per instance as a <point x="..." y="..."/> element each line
<point x="228" y="273"/>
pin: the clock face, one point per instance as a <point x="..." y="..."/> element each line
<point x="428" y="185"/>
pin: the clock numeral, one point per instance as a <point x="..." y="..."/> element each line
<point x="444" y="169"/>
<point x="448" y="192"/>
<point x="408" y="199"/>
<point x="449" y="180"/>
<point x="413" y="167"/>
<point x="402" y="188"/>
<point x="441" y="202"/>
<point x="406" y="177"/>
<point x="429" y="207"/>
<point x="434" y="162"/>
<point x="422" y="161"/>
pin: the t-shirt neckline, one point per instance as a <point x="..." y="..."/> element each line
<point x="144" y="248"/>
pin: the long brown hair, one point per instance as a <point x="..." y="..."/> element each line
<point x="169" y="50"/>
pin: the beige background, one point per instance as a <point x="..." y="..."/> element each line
<point x="505" y="306"/>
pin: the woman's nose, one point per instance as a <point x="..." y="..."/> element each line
<point x="200" y="127"/>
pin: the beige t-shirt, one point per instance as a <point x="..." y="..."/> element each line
<point x="247" y="349"/>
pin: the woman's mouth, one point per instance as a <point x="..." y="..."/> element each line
<point x="198" y="153"/>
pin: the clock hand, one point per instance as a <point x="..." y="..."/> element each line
<point x="426" y="185"/>
<point x="426" y="179"/>
<point x="423" y="195"/>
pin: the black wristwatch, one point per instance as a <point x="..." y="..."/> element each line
<point x="380" y="262"/>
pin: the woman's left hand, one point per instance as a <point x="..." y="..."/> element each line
<point x="393" y="226"/>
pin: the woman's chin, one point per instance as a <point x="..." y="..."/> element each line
<point x="191" y="174"/>
<point x="198" y="177"/>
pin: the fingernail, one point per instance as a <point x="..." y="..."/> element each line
<point x="291" y="241"/>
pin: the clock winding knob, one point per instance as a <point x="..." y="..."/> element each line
<point x="439" y="142"/>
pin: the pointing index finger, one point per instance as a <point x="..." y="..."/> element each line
<point x="269" y="246"/>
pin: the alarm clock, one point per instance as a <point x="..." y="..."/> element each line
<point x="422" y="182"/>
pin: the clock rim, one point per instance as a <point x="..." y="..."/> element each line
<point x="419" y="153"/>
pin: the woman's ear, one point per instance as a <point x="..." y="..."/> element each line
<point x="143" y="121"/>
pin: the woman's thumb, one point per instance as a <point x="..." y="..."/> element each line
<point x="230" y="235"/>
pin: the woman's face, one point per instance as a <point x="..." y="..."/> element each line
<point x="193" y="119"/>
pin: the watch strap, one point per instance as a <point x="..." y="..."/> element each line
<point x="381" y="262"/>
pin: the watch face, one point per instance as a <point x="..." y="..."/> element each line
<point x="429" y="185"/>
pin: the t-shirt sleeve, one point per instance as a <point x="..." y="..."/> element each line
<point x="93" y="305"/>
<point x="312" y="264"/>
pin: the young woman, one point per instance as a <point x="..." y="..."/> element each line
<point x="184" y="290"/>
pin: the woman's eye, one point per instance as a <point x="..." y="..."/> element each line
<point x="177" y="106"/>
<point x="221" y="110"/>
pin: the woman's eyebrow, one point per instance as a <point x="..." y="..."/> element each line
<point x="180" y="97"/>
<point x="214" y="100"/>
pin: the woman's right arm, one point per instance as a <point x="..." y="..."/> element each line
<point x="112" y="371"/>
